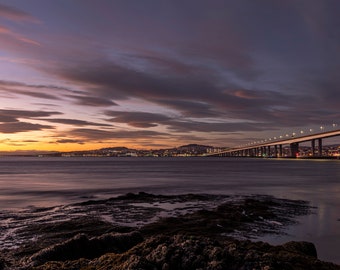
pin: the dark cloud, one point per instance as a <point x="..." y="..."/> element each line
<point x="10" y="123"/>
<point x="120" y="82"/>
<point x="70" y="141"/>
<point x="17" y="127"/>
<point x="138" y="119"/>
<point x="38" y="91"/>
<point x="196" y="95"/>
<point x="7" y="118"/>
<point x="187" y="126"/>
<point x="182" y="125"/>
<point x="189" y="108"/>
<point x="74" y="122"/>
<point x="15" y="14"/>
<point x="36" y="94"/>
<point x="99" y="135"/>
<point x="26" y="113"/>
<point x="92" y="101"/>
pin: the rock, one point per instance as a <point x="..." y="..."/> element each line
<point x="306" y="248"/>
<point x="203" y="239"/>
<point x="2" y="264"/>
<point x="81" y="246"/>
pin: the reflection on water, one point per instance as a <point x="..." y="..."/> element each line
<point x="322" y="229"/>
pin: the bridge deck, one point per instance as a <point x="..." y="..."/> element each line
<point x="292" y="140"/>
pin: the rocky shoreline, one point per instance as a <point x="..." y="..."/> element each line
<point x="165" y="232"/>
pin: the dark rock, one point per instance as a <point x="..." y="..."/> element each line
<point x="180" y="252"/>
<point x="204" y="239"/>
<point x="302" y="247"/>
<point x="2" y="264"/>
<point x="81" y="246"/>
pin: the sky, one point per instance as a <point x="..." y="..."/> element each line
<point x="83" y="74"/>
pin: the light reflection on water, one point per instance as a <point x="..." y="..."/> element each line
<point x="59" y="181"/>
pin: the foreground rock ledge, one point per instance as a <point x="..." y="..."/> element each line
<point x="204" y="239"/>
<point x="191" y="252"/>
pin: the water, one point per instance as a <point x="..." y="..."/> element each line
<point x="45" y="182"/>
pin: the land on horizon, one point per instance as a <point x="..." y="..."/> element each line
<point x="181" y="151"/>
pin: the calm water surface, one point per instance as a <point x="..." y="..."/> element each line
<point x="28" y="182"/>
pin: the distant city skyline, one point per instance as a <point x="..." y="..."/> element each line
<point x="80" y="75"/>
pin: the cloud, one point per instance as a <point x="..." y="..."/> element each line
<point x="138" y="119"/>
<point x="92" y="101"/>
<point x="36" y="94"/>
<point x="4" y="30"/>
<point x="182" y="124"/>
<point x="191" y="108"/>
<point x="195" y="94"/>
<point x="37" y="91"/>
<point x="70" y="141"/>
<point x="11" y="38"/>
<point x="197" y="126"/>
<point x="10" y="123"/>
<point x="15" y="14"/>
<point x="53" y="92"/>
<point x="16" y="127"/>
<point x="74" y="122"/>
<point x="99" y="135"/>
<point x="26" y="114"/>
<point x="7" y="118"/>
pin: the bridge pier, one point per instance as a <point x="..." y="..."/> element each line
<point x="294" y="149"/>
<point x="275" y="151"/>
<point x="313" y="148"/>
<point x="320" y="147"/>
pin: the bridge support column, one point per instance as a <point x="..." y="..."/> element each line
<point x="294" y="149"/>
<point x="280" y="150"/>
<point x="313" y="147"/>
<point x="275" y="151"/>
<point x="269" y="154"/>
<point x="320" y="147"/>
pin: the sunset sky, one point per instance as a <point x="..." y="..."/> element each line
<point x="87" y="74"/>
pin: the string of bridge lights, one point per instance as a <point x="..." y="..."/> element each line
<point x="292" y="135"/>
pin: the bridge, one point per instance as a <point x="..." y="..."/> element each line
<point x="274" y="147"/>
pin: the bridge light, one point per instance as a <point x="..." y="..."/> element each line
<point x="287" y="135"/>
<point x="334" y="125"/>
<point x="274" y="138"/>
<point x="310" y="129"/>
<point x="301" y="132"/>
<point x="281" y="136"/>
<point x="322" y="128"/>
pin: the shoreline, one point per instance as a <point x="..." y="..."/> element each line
<point x="158" y="227"/>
